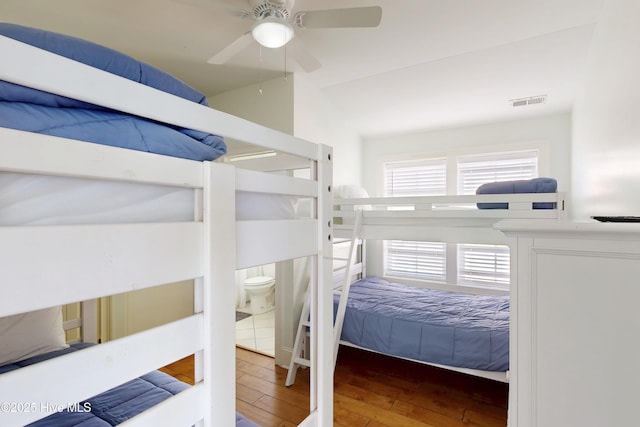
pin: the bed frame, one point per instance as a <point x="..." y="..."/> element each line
<point x="46" y="266"/>
<point x="444" y="219"/>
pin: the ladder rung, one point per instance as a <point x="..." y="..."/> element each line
<point x="303" y="362"/>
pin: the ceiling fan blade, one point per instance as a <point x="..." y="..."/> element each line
<point x="340" y="18"/>
<point x="232" y="49"/>
<point x="302" y="56"/>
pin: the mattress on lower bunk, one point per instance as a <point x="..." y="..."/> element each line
<point x="116" y="405"/>
<point x="454" y="329"/>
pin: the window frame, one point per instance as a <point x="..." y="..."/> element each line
<point x="451" y="281"/>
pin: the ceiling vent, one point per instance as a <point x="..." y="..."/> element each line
<point x="532" y="100"/>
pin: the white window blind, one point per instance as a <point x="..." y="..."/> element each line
<point x="473" y="171"/>
<point x="416" y="178"/>
<point x="484" y="266"/>
<point x="417" y="260"/>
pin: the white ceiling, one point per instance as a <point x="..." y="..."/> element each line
<point x="430" y="63"/>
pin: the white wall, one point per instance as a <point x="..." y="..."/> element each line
<point x="271" y="107"/>
<point x="606" y="118"/>
<point x="316" y="120"/>
<point x="294" y="106"/>
<point x="554" y="131"/>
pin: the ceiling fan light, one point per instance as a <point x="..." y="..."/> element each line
<point x="272" y="33"/>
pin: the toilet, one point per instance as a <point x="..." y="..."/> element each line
<point x="260" y="290"/>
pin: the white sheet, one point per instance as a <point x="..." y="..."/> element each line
<point x="46" y="200"/>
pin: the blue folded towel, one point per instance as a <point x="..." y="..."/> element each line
<point x="536" y="185"/>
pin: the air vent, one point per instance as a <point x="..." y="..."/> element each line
<point x="532" y="100"/>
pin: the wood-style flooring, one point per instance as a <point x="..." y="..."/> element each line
<point x="371" y="390"/>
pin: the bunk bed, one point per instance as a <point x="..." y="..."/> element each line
<point x="465" y="330"/>
<point x="113" y="210"/>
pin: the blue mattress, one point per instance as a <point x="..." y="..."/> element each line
<point x="28" y="109"/>
<point x="454" y="329"/>
<point x="116" y="405"/>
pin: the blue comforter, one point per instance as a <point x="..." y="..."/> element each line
<point x="454" y="329"/>
<point x="32" y="110"/>
<point x="111" y="128"/>
<point x="116" y="405"/>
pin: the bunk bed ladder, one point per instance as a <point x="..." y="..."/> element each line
<point x="300" y="351"/>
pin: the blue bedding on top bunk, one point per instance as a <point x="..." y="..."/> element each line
<point x="110" y="128"/>
<point x="535" y="185"/>
<point x="33" y="110"/>
<point x="116" y="405"/>
<point x="454" y="329"/>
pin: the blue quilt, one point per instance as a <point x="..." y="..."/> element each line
<point x="454" y="329"/>
<point x="33" y="110"/>
<point x="116" y="405"/>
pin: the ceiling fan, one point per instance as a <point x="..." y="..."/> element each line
<point x="275" y="24"/>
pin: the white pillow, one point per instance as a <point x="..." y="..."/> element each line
<point x="350" y="192"/>
<point x="30" y="334"/>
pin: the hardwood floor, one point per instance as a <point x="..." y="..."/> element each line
<point x="371" y="390"/>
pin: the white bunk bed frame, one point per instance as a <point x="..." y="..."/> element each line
<point x="45" y="266"/>
<point x="442" y="218"/>
<point x="453" y="219"/>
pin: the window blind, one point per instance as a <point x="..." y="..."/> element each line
<point x="473" y="171"/>
<point x="418" y="260"/>
<point x="416" y="178"/>
<point x="484" y="266"/>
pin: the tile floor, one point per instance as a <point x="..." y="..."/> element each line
<point x="257" y="332"/>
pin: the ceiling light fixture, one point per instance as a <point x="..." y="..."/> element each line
<point x="272" y="32"/>
<point x="250" y="156"/>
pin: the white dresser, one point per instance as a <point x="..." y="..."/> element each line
<point x="575" y="324"/>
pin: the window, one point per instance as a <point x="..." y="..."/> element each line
<point x="485" y="266"/>
<point x="473" y="171"/>
<point x="422" y="178"/>
<point x="411" y="259"/>
<point x="416" y="260"/>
